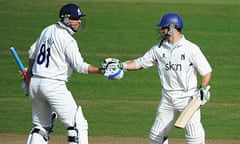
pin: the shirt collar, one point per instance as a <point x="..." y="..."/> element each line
<point x="177" y="44"/>
<point x="62" y="25"/>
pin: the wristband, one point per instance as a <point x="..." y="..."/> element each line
<point x="123" y="66"/>
<point x="203" y="87"/>
<point x="102" y="70"/>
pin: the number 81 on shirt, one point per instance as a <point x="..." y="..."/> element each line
<point x="44" y="55"/>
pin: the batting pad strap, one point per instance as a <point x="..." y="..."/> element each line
<point x="73" y="135"/>
<point x="41" y="132"/>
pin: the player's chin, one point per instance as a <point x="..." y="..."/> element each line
<point x="75" y="27"/>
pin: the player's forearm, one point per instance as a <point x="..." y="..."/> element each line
<point x="206" y="79"/>
<point x="94" y="70"/>
<point x="130" y="65"/>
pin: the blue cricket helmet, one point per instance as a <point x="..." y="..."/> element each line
<point x="171" y="18"/>
<point x="72" y="11"/>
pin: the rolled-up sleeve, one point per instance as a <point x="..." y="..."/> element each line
<point x="147" y="60"/>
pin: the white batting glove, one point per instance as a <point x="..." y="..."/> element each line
<point x="109" y="61"/>
<point x="112" y="69"/>
<point x="114" y="74"/>
<point x="24" y="84"/>
<point x="204" y="92"/>
<point x="25" y="88"/>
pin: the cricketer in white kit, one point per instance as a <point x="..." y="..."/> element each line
<point x="52" y="59"/>
<point x="179" y="61"/>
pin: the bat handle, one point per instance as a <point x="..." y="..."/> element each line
<point x="26" y="77"/>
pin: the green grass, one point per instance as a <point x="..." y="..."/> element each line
<point x="125" y="29"/>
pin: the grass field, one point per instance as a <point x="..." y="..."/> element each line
<point x="125" y="29"/>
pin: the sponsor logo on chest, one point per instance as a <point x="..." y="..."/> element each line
<point x="175" y="66"/>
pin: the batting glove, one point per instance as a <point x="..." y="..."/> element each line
<point x="114" y="74"/>
<point x="204" y="92"/>
<point x="24" y="84"/>
<point x="109" y="61"/>
<point x="112" y="68"/>
<point x="25" y="88"/>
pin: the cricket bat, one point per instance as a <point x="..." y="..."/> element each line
<point x="187" y="113"/>
<point x="20" y="65"/>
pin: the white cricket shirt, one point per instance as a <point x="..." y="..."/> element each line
<point x="56" y="54"/>
<point x="177" y="64"/>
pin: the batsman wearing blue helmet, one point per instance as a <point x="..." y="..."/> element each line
<point x="178" y="61"/>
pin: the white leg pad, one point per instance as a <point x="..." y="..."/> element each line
<point x="195" y="134"/>
<point x="158" y="142"/>
<point x="158" y="135"/>
<point x="79" y="133"/>
<point x="38" y="135"/>
<point x="155" y="142"/>
<point x="82" y="126"/>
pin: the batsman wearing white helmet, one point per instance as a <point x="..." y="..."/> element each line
<point x="52" y="59"/>
<point x="179" y="61"/>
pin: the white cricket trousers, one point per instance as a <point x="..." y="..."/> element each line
<point x="171" y="103"/>
<point x="47" y="96"/>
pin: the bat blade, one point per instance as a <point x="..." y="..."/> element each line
<point x="187" y="113"/>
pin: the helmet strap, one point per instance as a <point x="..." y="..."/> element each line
<point x="65" y="19"/>
<point x="171" y="30"/>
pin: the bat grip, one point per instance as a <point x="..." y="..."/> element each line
<point x="26" y="77"/>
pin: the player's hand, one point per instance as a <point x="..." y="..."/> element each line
<point x="114" y="74"/>
<point x="204" y="92"/>
<point x="28" y="74"/>
<point x="112" y="68"/>
<point x="24" y="84"/>
<point x="25" y="88"/>
<point x="111" y="61"/>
